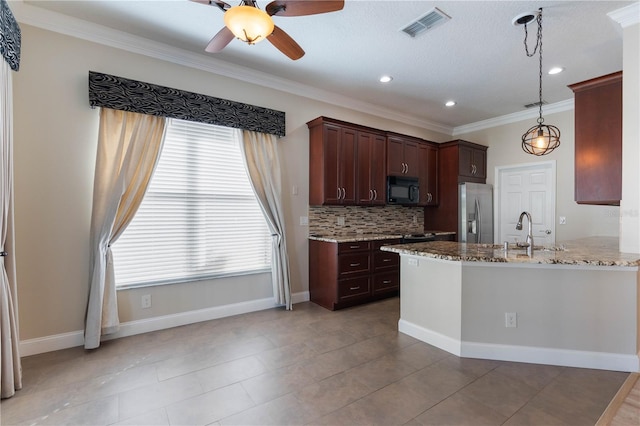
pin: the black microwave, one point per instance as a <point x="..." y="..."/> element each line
<point x="402" y="190"/>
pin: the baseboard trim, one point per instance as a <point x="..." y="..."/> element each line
<point x="528" y="354"/>
<point x="431" y="337"/>
<point x="76" y="338"/>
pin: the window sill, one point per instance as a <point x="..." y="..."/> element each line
<point x="192" y="279"/>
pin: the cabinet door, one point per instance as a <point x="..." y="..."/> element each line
<point x="480" y="163"/>
<point x="465" y="156"/>
<point x="371" y="169"/>
<point x="395" y="157"/>
<point x="347" y="166"/>
<point x="378" y="169"/>
<point x="331" y="140"/>
<point x="411" y="159"/>
<point x="428" y="168"/>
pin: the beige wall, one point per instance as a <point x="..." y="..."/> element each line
<point x="505" y="149"/>
<point x="55" y="148"/>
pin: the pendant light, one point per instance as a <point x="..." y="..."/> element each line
<point x="541" y="139"/>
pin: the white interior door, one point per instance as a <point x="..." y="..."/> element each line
<point x="531" y="188"/>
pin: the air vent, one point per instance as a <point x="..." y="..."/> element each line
<point x="428" y="21"/>
<point x="535" y="104"/>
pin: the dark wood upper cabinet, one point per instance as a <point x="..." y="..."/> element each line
<point x="472" y="161"/>
<point x="332" y="163"/>
<point x="402" y="155"/>
<point x="598" y="140"/>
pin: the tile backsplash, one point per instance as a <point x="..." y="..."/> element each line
<point x="337" y="220"/>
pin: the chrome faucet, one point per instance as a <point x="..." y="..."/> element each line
<point x="529" y="243"/>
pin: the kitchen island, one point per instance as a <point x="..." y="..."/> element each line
<point x="575" y="304"/>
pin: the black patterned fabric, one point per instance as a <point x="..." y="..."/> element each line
<point x="9" y="36"/>
<point x="130" y="95"/>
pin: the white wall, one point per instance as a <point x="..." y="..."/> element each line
<point x="630" y="204"/>
<point x="55" y="147"/>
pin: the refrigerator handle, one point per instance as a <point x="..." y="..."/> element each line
<point x="479" y="221"/>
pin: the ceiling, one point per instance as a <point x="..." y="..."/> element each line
<point x="476" y="59"/>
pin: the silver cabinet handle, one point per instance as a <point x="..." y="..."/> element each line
<point x="375" y="194"/>
<point x="386" y="260"/>
<point x="339" y="193"/>
<point x="370" y="194"/>
<point x="407" y="164"/>
<point x="386" y="282"/>
<point x="354" y="247"/>
<point x="354" y="264"/>
<point x="354" y="288"/>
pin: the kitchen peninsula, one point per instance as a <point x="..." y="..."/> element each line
<point x="572" y="305"/>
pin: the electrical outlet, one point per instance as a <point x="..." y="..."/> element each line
<point x="340" y="220"/>
<point x="304" y="220"/>
<point x="415" y="219"/>
<point x="145" y="301"/>
<point x="510" y="319"/>
<point x="413" y="262"/>
<point x="563" y="220"/>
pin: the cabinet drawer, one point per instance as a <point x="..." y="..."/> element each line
<point x="388" y="281"/>
<point x="353" y="288"/>
<point x="349" y="264"/>
<point x="385" y="260"/>
<point x="354" y="247"/>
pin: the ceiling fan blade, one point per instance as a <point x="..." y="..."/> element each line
<point x="222" y="5"/>
<point x="303" y="7"/>
<point x="284" y="43"/>
<point x="220" y="40"/>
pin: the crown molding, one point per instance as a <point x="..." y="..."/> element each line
<point x="74" y="27"/>
<point x="626" y="16"/>
<point x="514" y="117"/>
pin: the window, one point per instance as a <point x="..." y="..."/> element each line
<point x="199" y="218"/>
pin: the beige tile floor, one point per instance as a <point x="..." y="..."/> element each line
<point x="307" y="366"/>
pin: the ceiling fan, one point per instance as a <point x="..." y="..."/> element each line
<point x="250" y="24"/>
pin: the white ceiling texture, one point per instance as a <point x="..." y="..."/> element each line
<point x="477" y="58"/>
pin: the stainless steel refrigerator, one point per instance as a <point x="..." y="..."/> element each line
<point x="475" y="213"/>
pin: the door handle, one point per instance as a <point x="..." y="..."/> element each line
<point x="546" y="231"/>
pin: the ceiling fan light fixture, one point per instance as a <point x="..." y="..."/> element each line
<point x="248" y="23"/>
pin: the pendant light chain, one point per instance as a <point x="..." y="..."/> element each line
<point x="537" y="46"/>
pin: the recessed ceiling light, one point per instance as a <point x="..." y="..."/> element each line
<point x="556" y="70"/>
<point x="385" y="79"/>
<point x="450" y="103"/>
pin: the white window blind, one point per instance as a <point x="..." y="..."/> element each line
<point x="199" y="217"/>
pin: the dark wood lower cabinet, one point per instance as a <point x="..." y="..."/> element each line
<point x="347" y="274"/>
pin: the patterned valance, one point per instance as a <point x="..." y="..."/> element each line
<point x="130" y="95"/>
<point x="9" y="36"/>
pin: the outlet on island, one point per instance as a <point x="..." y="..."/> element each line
<point x="340" y="221"/>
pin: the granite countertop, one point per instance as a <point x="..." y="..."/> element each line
<point x="595" y="251"/>
<point x="353" y="237"/>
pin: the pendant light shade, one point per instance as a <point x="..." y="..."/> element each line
<point x="248" y="23"/>
<point x="541" y="139"/>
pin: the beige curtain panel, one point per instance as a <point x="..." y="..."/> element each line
<point x="260" y="153"/>
<point x="129" y="146"/>
<point x="10" y="367"/>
